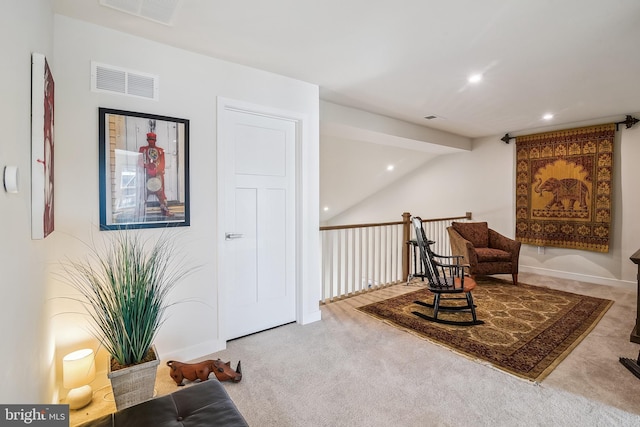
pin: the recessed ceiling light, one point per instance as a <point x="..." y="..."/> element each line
<point x="548" y="116"/>
<point x="390" y="168"/>
<point x="475" y="78"/>
<point x="326" y="208"/>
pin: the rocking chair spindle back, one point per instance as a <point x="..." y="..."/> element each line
<point x="445" y="275"/>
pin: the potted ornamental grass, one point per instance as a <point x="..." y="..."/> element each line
<point x="124" y="287"/>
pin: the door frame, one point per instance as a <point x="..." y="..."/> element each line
<point x="302" y="124"/>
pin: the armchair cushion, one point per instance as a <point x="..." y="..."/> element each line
<point x="475" y="232"/>
<point x="492" y="255"/>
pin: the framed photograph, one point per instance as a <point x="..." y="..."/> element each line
<point x="144" y="170"/>
<point x="42" y="108"/>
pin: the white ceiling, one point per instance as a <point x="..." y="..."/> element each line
<point x="578" y="59"/>
<point x="410" y="58"/>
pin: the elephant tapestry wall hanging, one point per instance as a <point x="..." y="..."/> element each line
<point x="564" y="188"/>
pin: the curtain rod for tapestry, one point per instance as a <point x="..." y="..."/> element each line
<point x="628" y="122"/>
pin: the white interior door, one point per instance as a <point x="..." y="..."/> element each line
<point x="258" y="265"/>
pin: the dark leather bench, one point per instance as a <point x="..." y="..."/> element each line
<point x="203" y="404"/>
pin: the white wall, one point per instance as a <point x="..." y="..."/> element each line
<point x="27" y="354"/>
<point x="358" y="146"/>
<point x="448" y="185"/>
<point x="482" y="181"/>
<point x="189" y="86"/>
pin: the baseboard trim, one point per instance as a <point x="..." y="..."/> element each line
<point x="311" y="317"/>
<point x="625" y="284"/>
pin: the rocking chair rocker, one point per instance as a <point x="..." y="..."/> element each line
<point x="444" y="279"/>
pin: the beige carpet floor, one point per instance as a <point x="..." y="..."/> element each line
<point x="351" y="369"/>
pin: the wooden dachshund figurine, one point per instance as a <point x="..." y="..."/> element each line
<point x="201" y="371"/>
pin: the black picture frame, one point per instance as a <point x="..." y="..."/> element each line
<point x="144" y="158"/>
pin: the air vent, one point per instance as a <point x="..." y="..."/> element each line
<point x="107" y="78"/>
<point x="161" y="11"/>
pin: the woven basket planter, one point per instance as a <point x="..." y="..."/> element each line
<point x="134" y="384"/>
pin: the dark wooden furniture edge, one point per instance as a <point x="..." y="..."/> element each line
<point x="630" y="364"/>
<point x="635" y="337"/>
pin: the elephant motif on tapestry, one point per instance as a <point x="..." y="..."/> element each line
<point x="569" y="190"/>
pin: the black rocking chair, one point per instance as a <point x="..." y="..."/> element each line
<point x="444" y="278"/>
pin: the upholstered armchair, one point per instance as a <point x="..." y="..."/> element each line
<point x="485" y="250"/>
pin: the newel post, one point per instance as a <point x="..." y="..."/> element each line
<point x="406" y="236"/>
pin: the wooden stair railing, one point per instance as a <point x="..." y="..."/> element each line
<point x="361" y="257"/>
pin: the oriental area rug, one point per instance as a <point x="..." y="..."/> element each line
<point x="527" y="331"/>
